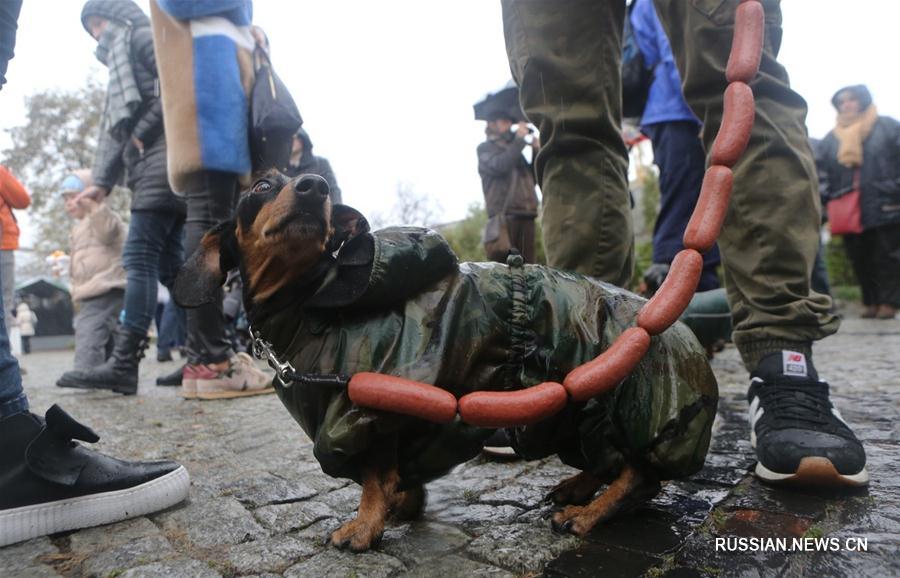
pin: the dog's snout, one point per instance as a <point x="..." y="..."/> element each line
<point x="311" y="185"/>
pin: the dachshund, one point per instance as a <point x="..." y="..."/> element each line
<point x="334" y="299"/>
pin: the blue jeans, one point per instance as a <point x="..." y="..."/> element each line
<point x="681" y="158"/>
<point x="171" y="327"/>
<point x="12" y="398"/>
<point x="153" y="252"/>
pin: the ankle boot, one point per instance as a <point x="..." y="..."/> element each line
<point x="50" y="483"/>
<point x="120" y="372"/>
<point x="886" y="312"/>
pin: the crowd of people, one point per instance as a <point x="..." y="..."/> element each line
<point x="179" y="141"/>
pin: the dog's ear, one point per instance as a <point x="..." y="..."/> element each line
<point x="203" y="274"/>
<point x="347" y="223"/>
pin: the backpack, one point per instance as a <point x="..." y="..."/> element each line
<point x="636" y="76"/>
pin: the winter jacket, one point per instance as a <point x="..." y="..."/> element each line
<point x="146" y="173"/>
<point x="397" y="302"/>
<point x="879" y="178"/>
<point x="505" y="173"/>
<point x="311" y="164"/>
<point x="665" y="101"/>
<point x="12" y="196"/>
<point x="96" y="245"/>
<point x="205" y="51"/>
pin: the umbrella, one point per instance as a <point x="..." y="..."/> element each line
<point x="504" y="102"/>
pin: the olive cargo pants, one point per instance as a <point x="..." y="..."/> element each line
<point x="565" y="56"/>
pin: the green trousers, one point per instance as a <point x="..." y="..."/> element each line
<point x="565" y="55"/>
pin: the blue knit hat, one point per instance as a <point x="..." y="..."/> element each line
<point x="71" y="184"/>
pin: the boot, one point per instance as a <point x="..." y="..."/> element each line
<point x="171" y="379"/>
<point x="120" y="372"/>
<point x="50" y="483"/>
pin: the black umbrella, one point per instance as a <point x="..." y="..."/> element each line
<point x="503" y="103"/>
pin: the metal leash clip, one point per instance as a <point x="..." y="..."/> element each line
<point x="262" y="349"/>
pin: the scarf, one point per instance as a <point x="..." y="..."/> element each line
<point x="851" y="131"/>
<point x="122" y="95"/>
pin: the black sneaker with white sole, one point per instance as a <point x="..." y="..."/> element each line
<point x="49" y="483"/>
<point x="799" y="436"/>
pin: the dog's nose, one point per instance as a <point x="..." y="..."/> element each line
<point x="311" y="185"/>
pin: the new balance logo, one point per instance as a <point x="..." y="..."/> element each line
<point x="793" y="364"/>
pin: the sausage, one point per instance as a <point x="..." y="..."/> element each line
<point x="746" y="46"/>
<point x="403" y="396"/>
<point x="609" y="368"/>
<point x="674" y="294"/>
<point x="513" y="408"/>
<point x="712" y="205"/>
<point x="737" y="122"/>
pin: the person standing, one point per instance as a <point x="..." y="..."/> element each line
<point x="205" y="79"/>
<point x="12" y="196"/>
<point x="27" y="320"/>
<point x="132" y="143"/>
<point x="674" y="132"/>
<point x="567" y="65"/>
<point x="863" y="153"/>
<point x="507" y="181"/>
<point x="303" y="161"/>
<point x="96" y="273"/>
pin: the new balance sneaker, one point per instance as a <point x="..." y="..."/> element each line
<point x="242" y="378"/>
<point x="799" y="436"/>
<point x="50" y="483"/>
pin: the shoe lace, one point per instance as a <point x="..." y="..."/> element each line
<point x="799" y="402"/>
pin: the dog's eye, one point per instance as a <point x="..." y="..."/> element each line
<point x="261" y="186"/>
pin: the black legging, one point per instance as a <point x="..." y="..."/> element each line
<point x="207" y="331"/>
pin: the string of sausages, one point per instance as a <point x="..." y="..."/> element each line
<point x="533" y="404"/>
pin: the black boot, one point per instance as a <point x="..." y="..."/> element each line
<point x="120" y="372"/>
<point x="49" y="483"/>
<point x="171" y="379"/>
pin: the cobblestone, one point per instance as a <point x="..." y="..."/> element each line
<point x="260" y="505"/>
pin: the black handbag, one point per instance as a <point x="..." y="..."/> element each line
<point x="274" y="117"/>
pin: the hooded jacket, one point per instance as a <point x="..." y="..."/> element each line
<point x="311" y="164"/>
<point x="146" y="173"/>
<point x="12" y="196"/>
<point x="96" y="246"/>
<point x="506" y="174"/>
<point x="397" y="302"/>
<point x="879" y="178"/>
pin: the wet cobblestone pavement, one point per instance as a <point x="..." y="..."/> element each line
<point x="260" y="505"/>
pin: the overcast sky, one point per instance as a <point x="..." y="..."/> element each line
<point x="386" y="88"/>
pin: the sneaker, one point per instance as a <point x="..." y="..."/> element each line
<point x="50" y="483"/>
<point x="241" y="379"/>
<point x="799" y="437"/>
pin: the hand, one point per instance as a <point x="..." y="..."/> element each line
<point x="138" y="144"/>
<point x="521" y="129"/>
<point x="93" y="192"/>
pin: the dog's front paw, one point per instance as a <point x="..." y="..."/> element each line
<point x="357" y="535"/>
<point x="573" y="520"/>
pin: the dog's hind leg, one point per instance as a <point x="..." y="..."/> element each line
<point x="380" y="478"/>
<point x="575" y="490"/>
<point x="631" y="488"/>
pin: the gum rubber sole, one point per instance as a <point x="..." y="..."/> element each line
<point x="814" y="472"/>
